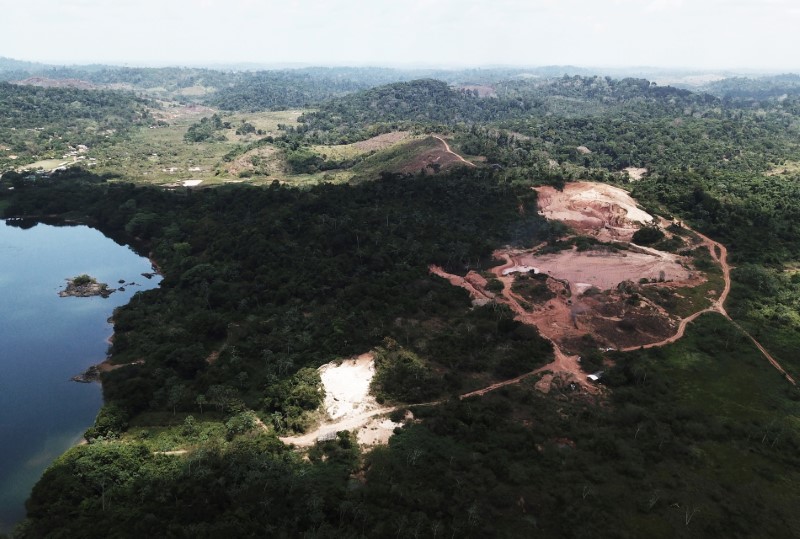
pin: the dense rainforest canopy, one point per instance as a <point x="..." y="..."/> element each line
<point x="263" y="284"/>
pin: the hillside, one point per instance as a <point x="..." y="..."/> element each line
<point x="574" y="226"/>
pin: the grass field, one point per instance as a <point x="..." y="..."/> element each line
<point x="162" y="156"/>
<point x="738" y="418"/>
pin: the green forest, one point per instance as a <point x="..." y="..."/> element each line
<point x="264" y="283"/>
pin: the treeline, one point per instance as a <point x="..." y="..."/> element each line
<point x="278" y="90"/>
<point x="279" y="279"/>
<point x="658" y="459"/>
<point x="755" y="89"/>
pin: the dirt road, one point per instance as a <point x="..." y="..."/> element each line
<point x="448" y="150"/>
<point x="348" y="423"/>
<point x="720" y="254"/>
<point x="562" y="363"/>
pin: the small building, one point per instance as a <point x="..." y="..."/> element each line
<point x="596" y="376"/>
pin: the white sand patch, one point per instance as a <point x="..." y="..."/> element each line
<point x="544" y="383"/>
<point x="580" y="288"/>
<point x="347" y="386"/>
<point x="377" y="431"/>
<point x="191" y="183"/>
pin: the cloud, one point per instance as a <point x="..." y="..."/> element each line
<point x="582" y="32"/>
<point x="664" y="5"/>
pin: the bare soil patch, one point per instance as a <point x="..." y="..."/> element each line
<point x="597" y="209"/>
<point x="606" y="269"/>
<point x="482" y="89"/>
<point x="349" y="405"/>
<point x="635" y="174"/>
<point x="383" y="141"/>
<point x="599" y="291"/>
<point x="377" y="431"/>
<point x="347" y="386"/>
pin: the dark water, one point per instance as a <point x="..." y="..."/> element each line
<point x="45" y="340"/>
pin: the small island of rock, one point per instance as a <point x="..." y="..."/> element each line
<point x="84" y="286"/>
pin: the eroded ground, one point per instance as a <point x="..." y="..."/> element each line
<point x="597" y="209"/>
<point x="596" y="290"/>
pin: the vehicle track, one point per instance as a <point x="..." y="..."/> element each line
<point x="562" y="362"/>
<point x="719" y="307"/>
<point x="448" y="150"/>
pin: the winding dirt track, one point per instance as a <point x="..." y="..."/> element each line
<point x="448" y="150"/>
<point x="562" y="363"/>
<point x="347" y="423"/>
<point x="719" y="307"/>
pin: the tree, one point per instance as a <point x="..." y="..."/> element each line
<point x="200" y="400"/>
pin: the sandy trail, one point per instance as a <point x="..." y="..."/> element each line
<point x="448" y="150"/>
<point x="348" y="423"/>
<point x="562" y="362"/>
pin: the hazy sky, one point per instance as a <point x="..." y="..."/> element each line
<point x="608" y="33"/>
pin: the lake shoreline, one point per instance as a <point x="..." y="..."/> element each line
<point x="48" y="340"/>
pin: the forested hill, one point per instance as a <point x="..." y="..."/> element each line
<point x="430" y="101"/>
<point x="33" y="107"/>
<point x="756" y="88"/>
<point x="580" y="95"/>
<point x="37" y="120"/>
<point x="425" y="101"/>
<point x="11" y="65"/>
<point x="274" y="90"/>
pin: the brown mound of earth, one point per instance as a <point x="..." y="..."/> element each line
<point x="482" y="90"/>
<point x="595" y="209"/>
<point x="429" y="156"/>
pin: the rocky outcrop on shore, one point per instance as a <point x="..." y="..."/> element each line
<point x="92" y="374"/>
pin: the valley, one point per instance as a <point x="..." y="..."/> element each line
<point x="422" y="303"/>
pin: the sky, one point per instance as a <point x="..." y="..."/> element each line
<point x="702" y="34"/>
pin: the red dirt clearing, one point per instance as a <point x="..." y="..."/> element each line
<point x="612" y="318"/>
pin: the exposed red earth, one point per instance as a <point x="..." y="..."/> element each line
<point x="598" y="210"/>
<point x="585" y="286"/>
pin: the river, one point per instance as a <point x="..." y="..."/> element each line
<point x="46" y="339"/>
